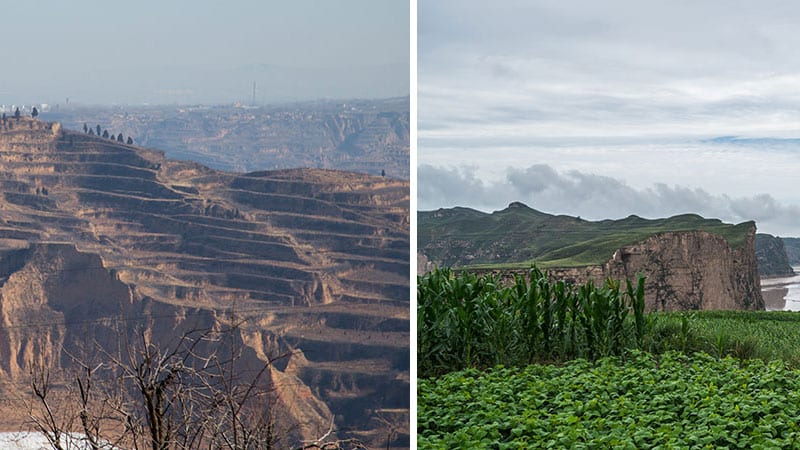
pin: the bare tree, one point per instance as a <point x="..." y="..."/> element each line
<point x="70" y="413"/>
<point x="47" y="421"/>
<point x="193" y="393"/>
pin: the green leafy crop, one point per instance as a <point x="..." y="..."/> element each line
<point x="668" y="401"/>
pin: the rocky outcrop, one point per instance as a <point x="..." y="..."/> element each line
<point x="692" y="270"/>
<point x="772" y="257"/>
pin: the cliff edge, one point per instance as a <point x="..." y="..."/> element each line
<point x="692" y="270"/>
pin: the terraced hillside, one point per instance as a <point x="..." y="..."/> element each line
<point x="316" y="260"/>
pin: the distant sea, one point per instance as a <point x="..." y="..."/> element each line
<point x="782" y="294"/>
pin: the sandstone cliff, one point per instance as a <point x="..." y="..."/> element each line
<point x="692" y="270"/>
<point x="100" y="240"/>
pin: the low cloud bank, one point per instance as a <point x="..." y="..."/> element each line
<point x="593" y="196"/>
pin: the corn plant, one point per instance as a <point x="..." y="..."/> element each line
<point x="636" y="298"/>
<point x="465" y="320"/>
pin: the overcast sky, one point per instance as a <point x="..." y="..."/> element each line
<point x="605" y="109"/>
<point x="198" y="51"/>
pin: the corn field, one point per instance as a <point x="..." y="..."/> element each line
<point x="466" y="320"/>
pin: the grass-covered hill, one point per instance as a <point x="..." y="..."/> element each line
<point x="519" y="236"/>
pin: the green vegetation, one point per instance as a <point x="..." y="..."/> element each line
<point x="542" y="364"/>
<point x="466" y="320"/>
<point x="518" y="236"/>
<point x="766" y="335"/>
<point x="667" y="401"/>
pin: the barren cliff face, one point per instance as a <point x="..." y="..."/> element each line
<point x="95" y="233"/>
<point x="691" y="271"/>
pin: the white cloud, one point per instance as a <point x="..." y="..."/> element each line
<point x="611" y="68"/>
<point x="623" y="88"/>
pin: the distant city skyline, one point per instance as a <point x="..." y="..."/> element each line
<point x="190" y="52"/>
<point x="606" y="109"/>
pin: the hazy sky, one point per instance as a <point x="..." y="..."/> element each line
<point x="605" y="109"/>
<point x="202" y="51"/>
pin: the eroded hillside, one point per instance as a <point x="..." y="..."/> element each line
<point x="316" y="260"/>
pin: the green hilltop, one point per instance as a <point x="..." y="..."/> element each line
<point x="519" y="235"/>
